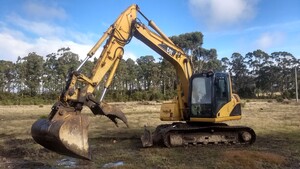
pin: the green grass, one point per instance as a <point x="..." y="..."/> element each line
<point x="276" y="125"/>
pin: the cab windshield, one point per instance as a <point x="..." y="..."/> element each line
<point x="201" y="97"/>
<point x="201" y="90"/>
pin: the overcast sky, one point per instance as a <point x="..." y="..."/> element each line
<point x="43" y="26"/>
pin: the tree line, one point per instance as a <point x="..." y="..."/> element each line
<point x="34" y="79"/>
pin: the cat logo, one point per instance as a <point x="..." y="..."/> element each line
<point x="168" y="49"/>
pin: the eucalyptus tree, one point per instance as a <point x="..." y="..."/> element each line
<point x="240" y="76"/>
<point x="146" y="64"/>
<point x="206" y="59"/>
<point x="33" y="66"/>
<point x="257" y="59"/>
<point x="191" y="44"/>
<point x="168" y="78"/>
<point x="286" y="62"/>
<point x="50" y="75"/>
<point x="119" y="82"/>
<point x="19" y="75"/>
<point x="226" y="65"/>
<point x="67" y="63"/>
<point x="201" y="59"/>
<point x="132" y="75"/>
<point x="259" y="64"/>
<point x="7" y="75"/>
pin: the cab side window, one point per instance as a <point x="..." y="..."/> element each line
<point x="221" y="88"/>
<point x="221" y="92"/>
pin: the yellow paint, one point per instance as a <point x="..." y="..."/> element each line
<point x="219" y="119"/>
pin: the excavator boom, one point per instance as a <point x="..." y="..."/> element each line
<point x="65" y="131"/>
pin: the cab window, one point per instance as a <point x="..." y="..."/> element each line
<point x="201" y="91"/>
<point x="221" y="91"/>
<point x="201" y="97"/>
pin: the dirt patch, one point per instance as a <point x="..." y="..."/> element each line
<point x="16" y="148"/>
<point x="252" y="159"/>
<point x="23" y="153"/>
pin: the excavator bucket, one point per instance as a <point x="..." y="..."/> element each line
<point x="65" y="132"/>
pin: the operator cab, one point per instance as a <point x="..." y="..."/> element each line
<point x="209" y="92"/>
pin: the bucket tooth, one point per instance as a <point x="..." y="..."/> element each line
<point x="112" y="112"/>
<point x="146" y="138"/>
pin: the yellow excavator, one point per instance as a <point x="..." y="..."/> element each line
<point x="203" y="100"/>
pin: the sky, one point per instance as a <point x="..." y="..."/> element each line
<point x="44" y="26"/>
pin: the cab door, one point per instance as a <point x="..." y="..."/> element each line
<point x="222" y="94"/>
<point x="201" y="96"/>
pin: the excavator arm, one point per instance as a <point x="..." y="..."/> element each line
<point x="65" y="129"/>
<point x="168" y="50"/>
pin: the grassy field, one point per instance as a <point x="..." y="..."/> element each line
<point x="277" y="127"/>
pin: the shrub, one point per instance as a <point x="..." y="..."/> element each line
<point x="279" y="99"/>
<point x="156" y="96"/>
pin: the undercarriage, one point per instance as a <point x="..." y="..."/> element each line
<point x="184" y="134"/>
